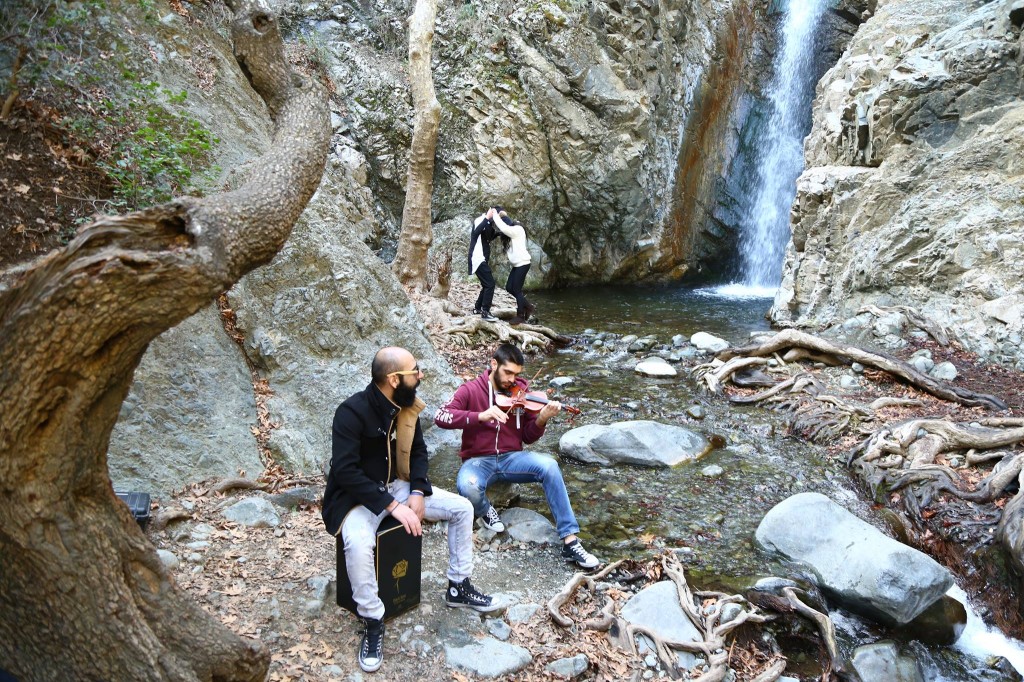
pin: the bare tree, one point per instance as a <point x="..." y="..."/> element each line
<point x="410" y="264"/>
<point x="83" y="594"/>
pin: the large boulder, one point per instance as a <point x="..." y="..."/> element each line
<point x="642" y="442"/>
<point x="867" y="571"/>
<point x="189" y="413"/>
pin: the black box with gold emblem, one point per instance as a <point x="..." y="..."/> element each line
<point x="397" y="558"/>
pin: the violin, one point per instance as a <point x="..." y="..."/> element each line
<point x="533" y="401"/>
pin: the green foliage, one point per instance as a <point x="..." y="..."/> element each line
<point x="83" y="65"/>
<point x="153" y="150"/>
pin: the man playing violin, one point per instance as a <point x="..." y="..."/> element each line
<point x="492" y="448"/>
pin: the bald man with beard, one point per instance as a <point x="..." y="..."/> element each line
<point x="379" y="467"/>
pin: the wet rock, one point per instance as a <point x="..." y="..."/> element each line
<point x="559" y="382"/>
<point x="646" y="443"/>
<point x="696" y="411"/>
<point x="678" y="341"/>
<point x="655" y="367"/>
<point x="255" y="512"/>
<point x="712" y="471"/>
<point x="526" y="525"/>
<point x="708" y="343"/>
<point x="488" y="657"/>
<point x="941" y="623"/>
<point x="569" y="668"/>
<point x="867" y="571"/>
<point x="657" y="609"/>
<point x="882" y="662"/>
<point x="642" y="345"/>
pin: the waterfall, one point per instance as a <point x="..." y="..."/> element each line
<point x="778" y="159"/>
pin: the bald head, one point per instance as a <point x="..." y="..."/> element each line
<point x="388" y="360"/>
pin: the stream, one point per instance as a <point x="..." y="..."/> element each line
<point x="706" y="510"/>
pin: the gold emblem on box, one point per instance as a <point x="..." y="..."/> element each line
<point x="398" y="572"/>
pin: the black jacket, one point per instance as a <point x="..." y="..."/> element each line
<point x="362" y="457"/>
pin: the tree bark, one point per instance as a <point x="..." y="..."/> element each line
<point x="83" y="594"/>
<point x="410" y="264"/>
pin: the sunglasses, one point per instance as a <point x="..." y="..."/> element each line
<point x="404" y="372"/>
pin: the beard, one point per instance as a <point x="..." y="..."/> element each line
<point x="405" y="395"/>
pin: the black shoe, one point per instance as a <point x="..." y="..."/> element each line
<point x="529" y="310"/>
<point x="464" y="596"/>
<point x="492" y="520"/>
<point x="486" y="316"/>
<point x="575" y="553"/>
<point x="516" y="320"/>
<point x="371" y="648"/>
<point x="477" y="310"/>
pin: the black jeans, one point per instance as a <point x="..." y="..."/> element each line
<point x="483" y="273"/>
<point x="514" y="285"/>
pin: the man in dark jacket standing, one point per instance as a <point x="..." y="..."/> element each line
<point x="481" y="234"/>
<point x="492" y="448"/>
<point x="379" y="467"/>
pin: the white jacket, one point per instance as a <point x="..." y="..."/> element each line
<point x="518" y="254"/>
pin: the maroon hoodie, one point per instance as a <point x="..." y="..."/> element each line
<point x="486" y="438"/>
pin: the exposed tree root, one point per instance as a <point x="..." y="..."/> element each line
<point x="527" y="336"/>
<point x="703" y="609"/>
<point x="932" y="328"/>
<point x="905" y="457"/>
<point x="793" y="338"/>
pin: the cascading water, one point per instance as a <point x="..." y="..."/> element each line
<point x="778" y="158"/>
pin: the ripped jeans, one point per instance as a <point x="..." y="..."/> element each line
<point x="521" y="466"/>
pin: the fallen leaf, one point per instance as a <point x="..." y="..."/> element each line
<point x="14" y="157"/>
<point x="22" y="189"/>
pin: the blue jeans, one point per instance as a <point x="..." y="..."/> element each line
<point x="518" y="467"/>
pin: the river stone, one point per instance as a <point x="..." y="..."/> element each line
<point x="168" y="559"/>
<point x="941" y="623"/>
<point x="944" y="371"/>
<point x="255" y="512"/>
<point x="646" y="443"/>
<point x="657" y="609"/>
<point x="882" y="662"/>
<point x="922" y="363"/>
<point x="655" y="367"/>
<point x="569" y="668"/>
<point x="526" y="525"/>
<point x="708" y="343"/>
<point x="488" y="657"/>
<point x="867" y="571"/>
<point x="189" y="412"/>
<point x="521" y="613"/>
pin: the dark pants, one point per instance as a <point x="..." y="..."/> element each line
<point x="483" y="273"/>
<point x="514" y="285"/>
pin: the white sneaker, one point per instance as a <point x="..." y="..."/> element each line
<point x="492" y="521"/>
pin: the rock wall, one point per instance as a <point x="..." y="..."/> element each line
<point x="602" y="126"/>
<point x="913" y="192"/>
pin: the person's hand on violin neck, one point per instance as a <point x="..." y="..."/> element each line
<point x="552" y="408"/>
<point x="493" y="413"/>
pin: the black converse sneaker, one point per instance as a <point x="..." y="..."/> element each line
<point x="464" y="596"/>
<point x="371" y="648"/>
<point x="574" y="552"/>
<point x="492" y="521"/>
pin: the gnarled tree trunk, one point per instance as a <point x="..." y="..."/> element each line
<point x="410" y="264"/>
<point x="83" y="594"/>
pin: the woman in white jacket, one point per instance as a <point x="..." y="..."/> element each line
<point x="513" y="235"/>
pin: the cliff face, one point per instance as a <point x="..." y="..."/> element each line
<point x="913" y="192"/>
<point x="602" y="126"/>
